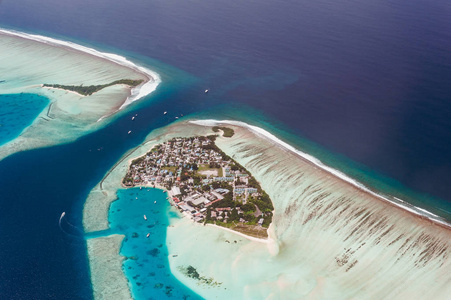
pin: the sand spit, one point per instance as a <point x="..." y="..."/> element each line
<point x="330" y="239"/>
<point x="28" y="61"/>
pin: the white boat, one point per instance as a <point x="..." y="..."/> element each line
<point x="145" y="217"/>
<point x="165" y="112"/>
<point x="129" y="132"/>
<point x="133" y="118"/>
<point x="155" y="202"/>
<point x="206" y="91"/>
<point x="148" y="235"/>
<point x="62" y="216"/>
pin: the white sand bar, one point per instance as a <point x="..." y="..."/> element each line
<point x="330" y="237"/>
<point x="29" y="61"/>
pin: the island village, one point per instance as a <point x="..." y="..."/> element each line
<point x="205" y="184"/>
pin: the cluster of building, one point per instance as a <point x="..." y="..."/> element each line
<point x="202" y="182"/>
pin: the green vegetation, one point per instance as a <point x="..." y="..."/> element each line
<point x="263" y="202"/>
<point x="192" y="166"/>
<point x="228" y="132"/>
<point x="172" y="169"/>
<point x="213" y="146"/>
<point x="90" y="89"/>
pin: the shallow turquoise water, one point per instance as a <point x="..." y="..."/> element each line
<point x="18" y="111"/>
<point x="146" y="266"/>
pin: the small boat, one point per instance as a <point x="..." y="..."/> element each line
<point x="133" y="118"/>
<point x="148" y="235"/>
<point x="206" y="91"/>
<point x="145" y="217"/>
<point x="155" y="202"/>
<point x="176" y="117"/>
<point x="129" y="132"/>
<point x="62" y="216"/>
<point x="165" y="112"/>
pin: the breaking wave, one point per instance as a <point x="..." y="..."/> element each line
<point x="136" y="93"/>
<point x="263" y="133"/>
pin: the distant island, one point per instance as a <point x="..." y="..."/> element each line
<point x="205" y="184"/>
<point x="65" y="66"/>
<point x="91" y="89"/>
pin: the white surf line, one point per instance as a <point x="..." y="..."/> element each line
<point x="261" y="132"/>
<point x="137" y="92"/>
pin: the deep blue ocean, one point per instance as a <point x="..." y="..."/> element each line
<point x="365" y="86"/>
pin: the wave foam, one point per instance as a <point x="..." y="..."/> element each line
<point x="136" y="93"/>
<point x="263" y="133"/>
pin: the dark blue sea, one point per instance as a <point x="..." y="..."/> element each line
<point x="365" y="86"/>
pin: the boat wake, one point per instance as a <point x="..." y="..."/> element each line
<point x="68" y="228"/>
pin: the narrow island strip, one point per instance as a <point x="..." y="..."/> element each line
<point x="328" y="237"/>
<point x="91" y="89"/>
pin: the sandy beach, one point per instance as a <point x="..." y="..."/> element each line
<point x="69" y="115"/>
<point x="330" y="238"/>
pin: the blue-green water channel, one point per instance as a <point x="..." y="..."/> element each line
<point x="147" y="265"/>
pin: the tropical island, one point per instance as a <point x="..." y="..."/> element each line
<point x="85" y="88"/>
<point x="328" y="235"/>
<point x="91" y="89"/>
<point x="205" y="184"/>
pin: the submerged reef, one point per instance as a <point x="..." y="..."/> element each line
<point x="79" y="100"/>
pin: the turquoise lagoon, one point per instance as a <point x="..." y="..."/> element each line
<point x="146" y="265"/>
<point x="17" y="112"/>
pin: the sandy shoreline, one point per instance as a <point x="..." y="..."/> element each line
<point x="328" y="237"/>
<point x="251" y="238"/>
